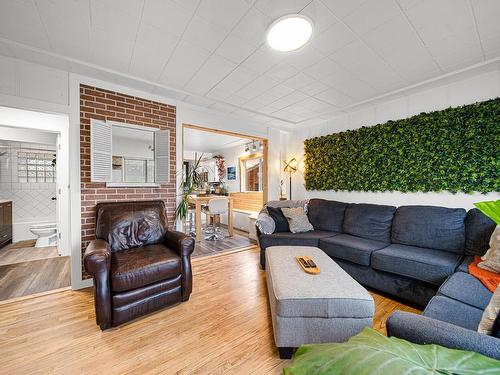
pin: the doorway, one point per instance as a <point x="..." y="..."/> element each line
<point x="34" y="252"/>
<point x="229" y="165"/>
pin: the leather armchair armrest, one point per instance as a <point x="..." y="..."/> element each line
<point x="421" y="329"/>
<point x="179" y="242"/>
<point x="97" y="257"/>
<point x="184" y="246"/>
<point x="97" y="262"/>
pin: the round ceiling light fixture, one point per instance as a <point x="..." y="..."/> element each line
<point x="289" y="32"/>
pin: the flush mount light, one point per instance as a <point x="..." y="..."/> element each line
<point x="289" y="32"/>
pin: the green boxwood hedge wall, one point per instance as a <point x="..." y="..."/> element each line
<point x="456" y="149"/>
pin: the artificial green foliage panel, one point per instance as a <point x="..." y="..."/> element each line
<point x="456" y="149"/>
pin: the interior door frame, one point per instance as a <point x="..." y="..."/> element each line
<point x="265" y="152"/>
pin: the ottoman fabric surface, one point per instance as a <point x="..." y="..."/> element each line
<point x="329" y="307"/>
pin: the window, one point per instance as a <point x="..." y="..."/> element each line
<point x="251" y="172"/>
<point x="139" y="170"/>
<point x="36" y="166"/>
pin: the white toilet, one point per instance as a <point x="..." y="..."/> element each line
<point x="46" y="234"/>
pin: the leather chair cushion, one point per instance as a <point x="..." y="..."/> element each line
<point x="140" y="266"/>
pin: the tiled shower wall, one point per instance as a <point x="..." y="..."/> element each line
<point x="31" y="201"/>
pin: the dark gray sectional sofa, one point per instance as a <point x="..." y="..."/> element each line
<point x="417" y="253"/>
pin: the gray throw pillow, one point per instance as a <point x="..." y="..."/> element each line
<point x="297" y="220"/>
<point x="265" y="223"/>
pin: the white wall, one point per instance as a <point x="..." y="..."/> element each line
<point x="27" y="135"/>
<point x="453" y="91"/>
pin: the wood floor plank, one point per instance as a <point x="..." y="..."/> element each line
<point x="20" y="252"/>
<point x="25" y="278"/>
<point x="225" y="327"/>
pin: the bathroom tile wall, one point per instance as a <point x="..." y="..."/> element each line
<point x="31" y="201"/>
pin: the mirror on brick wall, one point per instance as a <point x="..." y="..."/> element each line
<point x="128" y="155"/>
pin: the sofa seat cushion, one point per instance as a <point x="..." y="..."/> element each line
<point x="431" y="227"/>
<point x="371" y="221"/>
<point x="465" y="288"/>
<point x="294" y="239"/>
<point x="454" y="312"/>
<point x="354" y="249"/>
<point x="140" y="266"/>
<point x="429" y="265"/>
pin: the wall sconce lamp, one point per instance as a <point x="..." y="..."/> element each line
<point x="290" y="167"/>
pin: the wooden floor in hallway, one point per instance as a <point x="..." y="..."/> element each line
<point x="225" y="327"/>
<point x="239" y="240"/>
<point x="26" y="270"/>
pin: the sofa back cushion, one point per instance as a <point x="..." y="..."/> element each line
<point x="125" y="225"/>
<point x="371" y="221"/>
<point x="478" y="230"/>
<point x="431" y="227"/>
<point x="326" y="215"/>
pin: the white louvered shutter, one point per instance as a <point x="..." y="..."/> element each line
<point x="162" y="151"/>
<point x="100" y="151"/>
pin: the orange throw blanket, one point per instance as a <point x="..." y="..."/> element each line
<point x="489" y="279"/>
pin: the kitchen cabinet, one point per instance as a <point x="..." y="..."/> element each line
<point x="5" y="222"/>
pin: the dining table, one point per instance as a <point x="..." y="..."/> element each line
<point x="199" y="200"/>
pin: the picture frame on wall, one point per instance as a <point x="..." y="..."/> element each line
<point x="231" y="173"/>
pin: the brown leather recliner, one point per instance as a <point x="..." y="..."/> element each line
<point x="138" y="265"/>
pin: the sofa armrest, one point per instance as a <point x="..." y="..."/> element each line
<point x="97" y="262"/>
<point x="184" y="246"/>
<point x="179" y="242"/>
<point x="97" y="257"/>
<point x="420" y="329"/>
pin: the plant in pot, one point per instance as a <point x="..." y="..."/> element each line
<point x="191" y="182"/>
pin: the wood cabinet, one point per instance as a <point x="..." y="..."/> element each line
<point x="5" y="223"/>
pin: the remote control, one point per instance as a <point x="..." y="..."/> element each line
<point x="311" y="263"/>
<point x="304" y="263"/>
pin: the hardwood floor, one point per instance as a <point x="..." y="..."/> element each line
<point x="237" y="241"/>
<point x="24" y="251"/>
<point x="224" y="328"/>
<point x="26" y="270"/>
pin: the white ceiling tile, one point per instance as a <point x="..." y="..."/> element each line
<point x="223" y="107"/>
<point x="235" y="100"/>
<point x="262" y="60"/>
<point x="333" y="39"/>
<point x="213" y="71"/>
<point x="303" y="57"/>
<point x="252" y="27"/>
<point x="237" y="79"/>
<point x="320" y="15"/>
<point x="204" y="34"/>
<point x="321" y="69"/>
<point x="225" y="13"/>
<point x="199" y="100"/>
<point x="334" y="97"/>
<point x="9" y="76"/>
<point x="314" y="88"/>
<point x="19" y="21"/>
<point x="146" y="45"/>
<point x="184" y="63"/>
<point x="279" y="90"/>
<point x="342" y="8"/>
<point x="235" y="49"/>
<point x="166" y="15"/>
<point x="486" y="13"/>
<point x="278" y="8"/>
<point x="298" y="81"/>
<point x="294" y="97"/>
<point x="218" y="93"/>
<point x="265" y="99"/>
<point x="281" y="72"/>
<point x="190" y="5"/>
<point x="119" y="56"/>
<point x="371" y="15"/>
<point x="67" y="24"/>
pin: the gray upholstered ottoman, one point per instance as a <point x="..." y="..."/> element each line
<point x="306" y="309"/>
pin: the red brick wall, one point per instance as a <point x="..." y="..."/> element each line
<point x="102" y="104"/>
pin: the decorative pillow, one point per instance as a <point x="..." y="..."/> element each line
<point x="280" y="221"/>
<point x="491" y="260"/>
<point x="490" y="314"/>
<point x="297" y="220"/>
<point x="265" y="223"/>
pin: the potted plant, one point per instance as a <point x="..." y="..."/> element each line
<point x="188" y="186"/>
